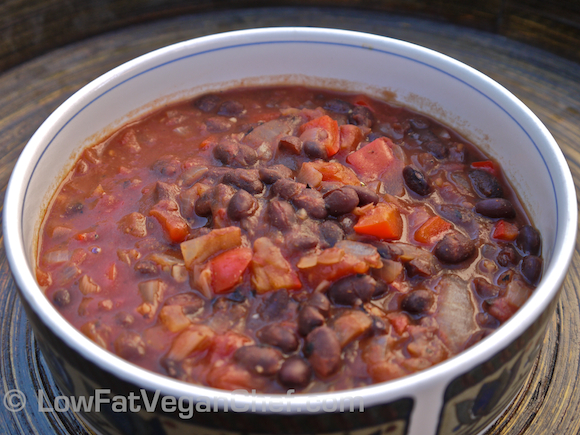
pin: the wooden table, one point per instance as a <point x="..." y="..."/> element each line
<point x="549" y="85"/>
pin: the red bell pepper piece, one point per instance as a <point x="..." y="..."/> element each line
<point x="432" y="229"/>
<point x="228" y="267"/>
<point x="383" y="221"/>
<point x="505" y="231"/>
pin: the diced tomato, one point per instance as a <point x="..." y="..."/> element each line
<point x="487" y="165"/>
<point x="431" y="230"/>
<point x="175" y="227"/>
<point x="228" y="267"/>
<point x="270" y="270"/>
<point x="334" y="171"/>
<point x="399" y="321"/>
<point x="383" y="221"/>
<point x="505" y="231"/>
<point x="350" y="137"/>
<point x="332" y="142"/>
<point x="373" y="159"/>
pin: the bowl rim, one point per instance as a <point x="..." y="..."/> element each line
<point x="373" y="394"/>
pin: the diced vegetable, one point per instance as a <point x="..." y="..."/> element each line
<point x="228" y="268"/>
<point x="332" y="141"/>
<point x="152" y="294"/>
<point x="432" y="230"/>
<point x="383" y="221"/>
<point x="270" y="270"/>
<point x="309" y="175"/>
<point x="390" y="271"/>
<point x="351" y="325"/>
<point x="334" y="171"/>
<point x="373" y="159"/>
<point x="194" y="339"/>
<point x="506" y="231"/>
<point x="173" y="318"/>
<point x="57" y="257"/>
<point x="97" y="332"/>
<point x="134" y="224"/>
<point x="456" y="312"/>
<point x="198" y="250"/>
<point x="88" y="286"/>
<point x="350" y="137"/>
<point x="345" y="258"/>
<point x="167" y="213"/>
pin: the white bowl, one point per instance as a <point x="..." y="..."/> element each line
<point x="465" y="393"/>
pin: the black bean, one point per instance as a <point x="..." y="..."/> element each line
<point x="365" y="195"/>
<point x="454" y="248"/>
<point x="236" y="296"/>
<point x="231" y="108"/>
<point x="312" y="201"/>
<point x="130" y="345"/>
<point x="74" y="208"/>
<point x="418" y="301"/>
<point x="352" y="290"/>
<point x="247" y="179"/>
<point x="292" y="144"/>
<point x="361" y="116"/>
<point x="61" y="298"/>
<point x="274" y="173"/>
<point x="507" y="256"/>
<point x="315" y="150"/>
<point x="281" y="215"/>
<point x="217" y="124"/>
<point x="226" y="151"/>
<point x="331" y="232"/>
<point x="203" y="204"/>
<point x="437" y="148"/>
<point x="146" y="267"/>
<point x="242" y="205"/>
<point x="207" y="103"/>
<point x="309" y="318"/>
<point x="302" y="240"/>
<point x="320" y="302"/>
<point x="380" y="290"/>
<point x="485" y="289"/>
<point x="260" y="360"/>
<point x="529" y="240"/>
<point x="485" y="184"/>
<point x="416" y="181"/>
<point x="286" y="188"/>
<point x="531" y="268"/>
<point x="457" y="214"/>
<point x="323" y="350"/>
<point x="274" y="305"/>
<point x="341" y="201"/>
<point x="496" y="208"/>
<point x="167" y="165"/>
<point x="295" y="373"/>
<point x="279" y="336"/>
<point x="337" y="105"/>
<point x="246" y="156"/>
